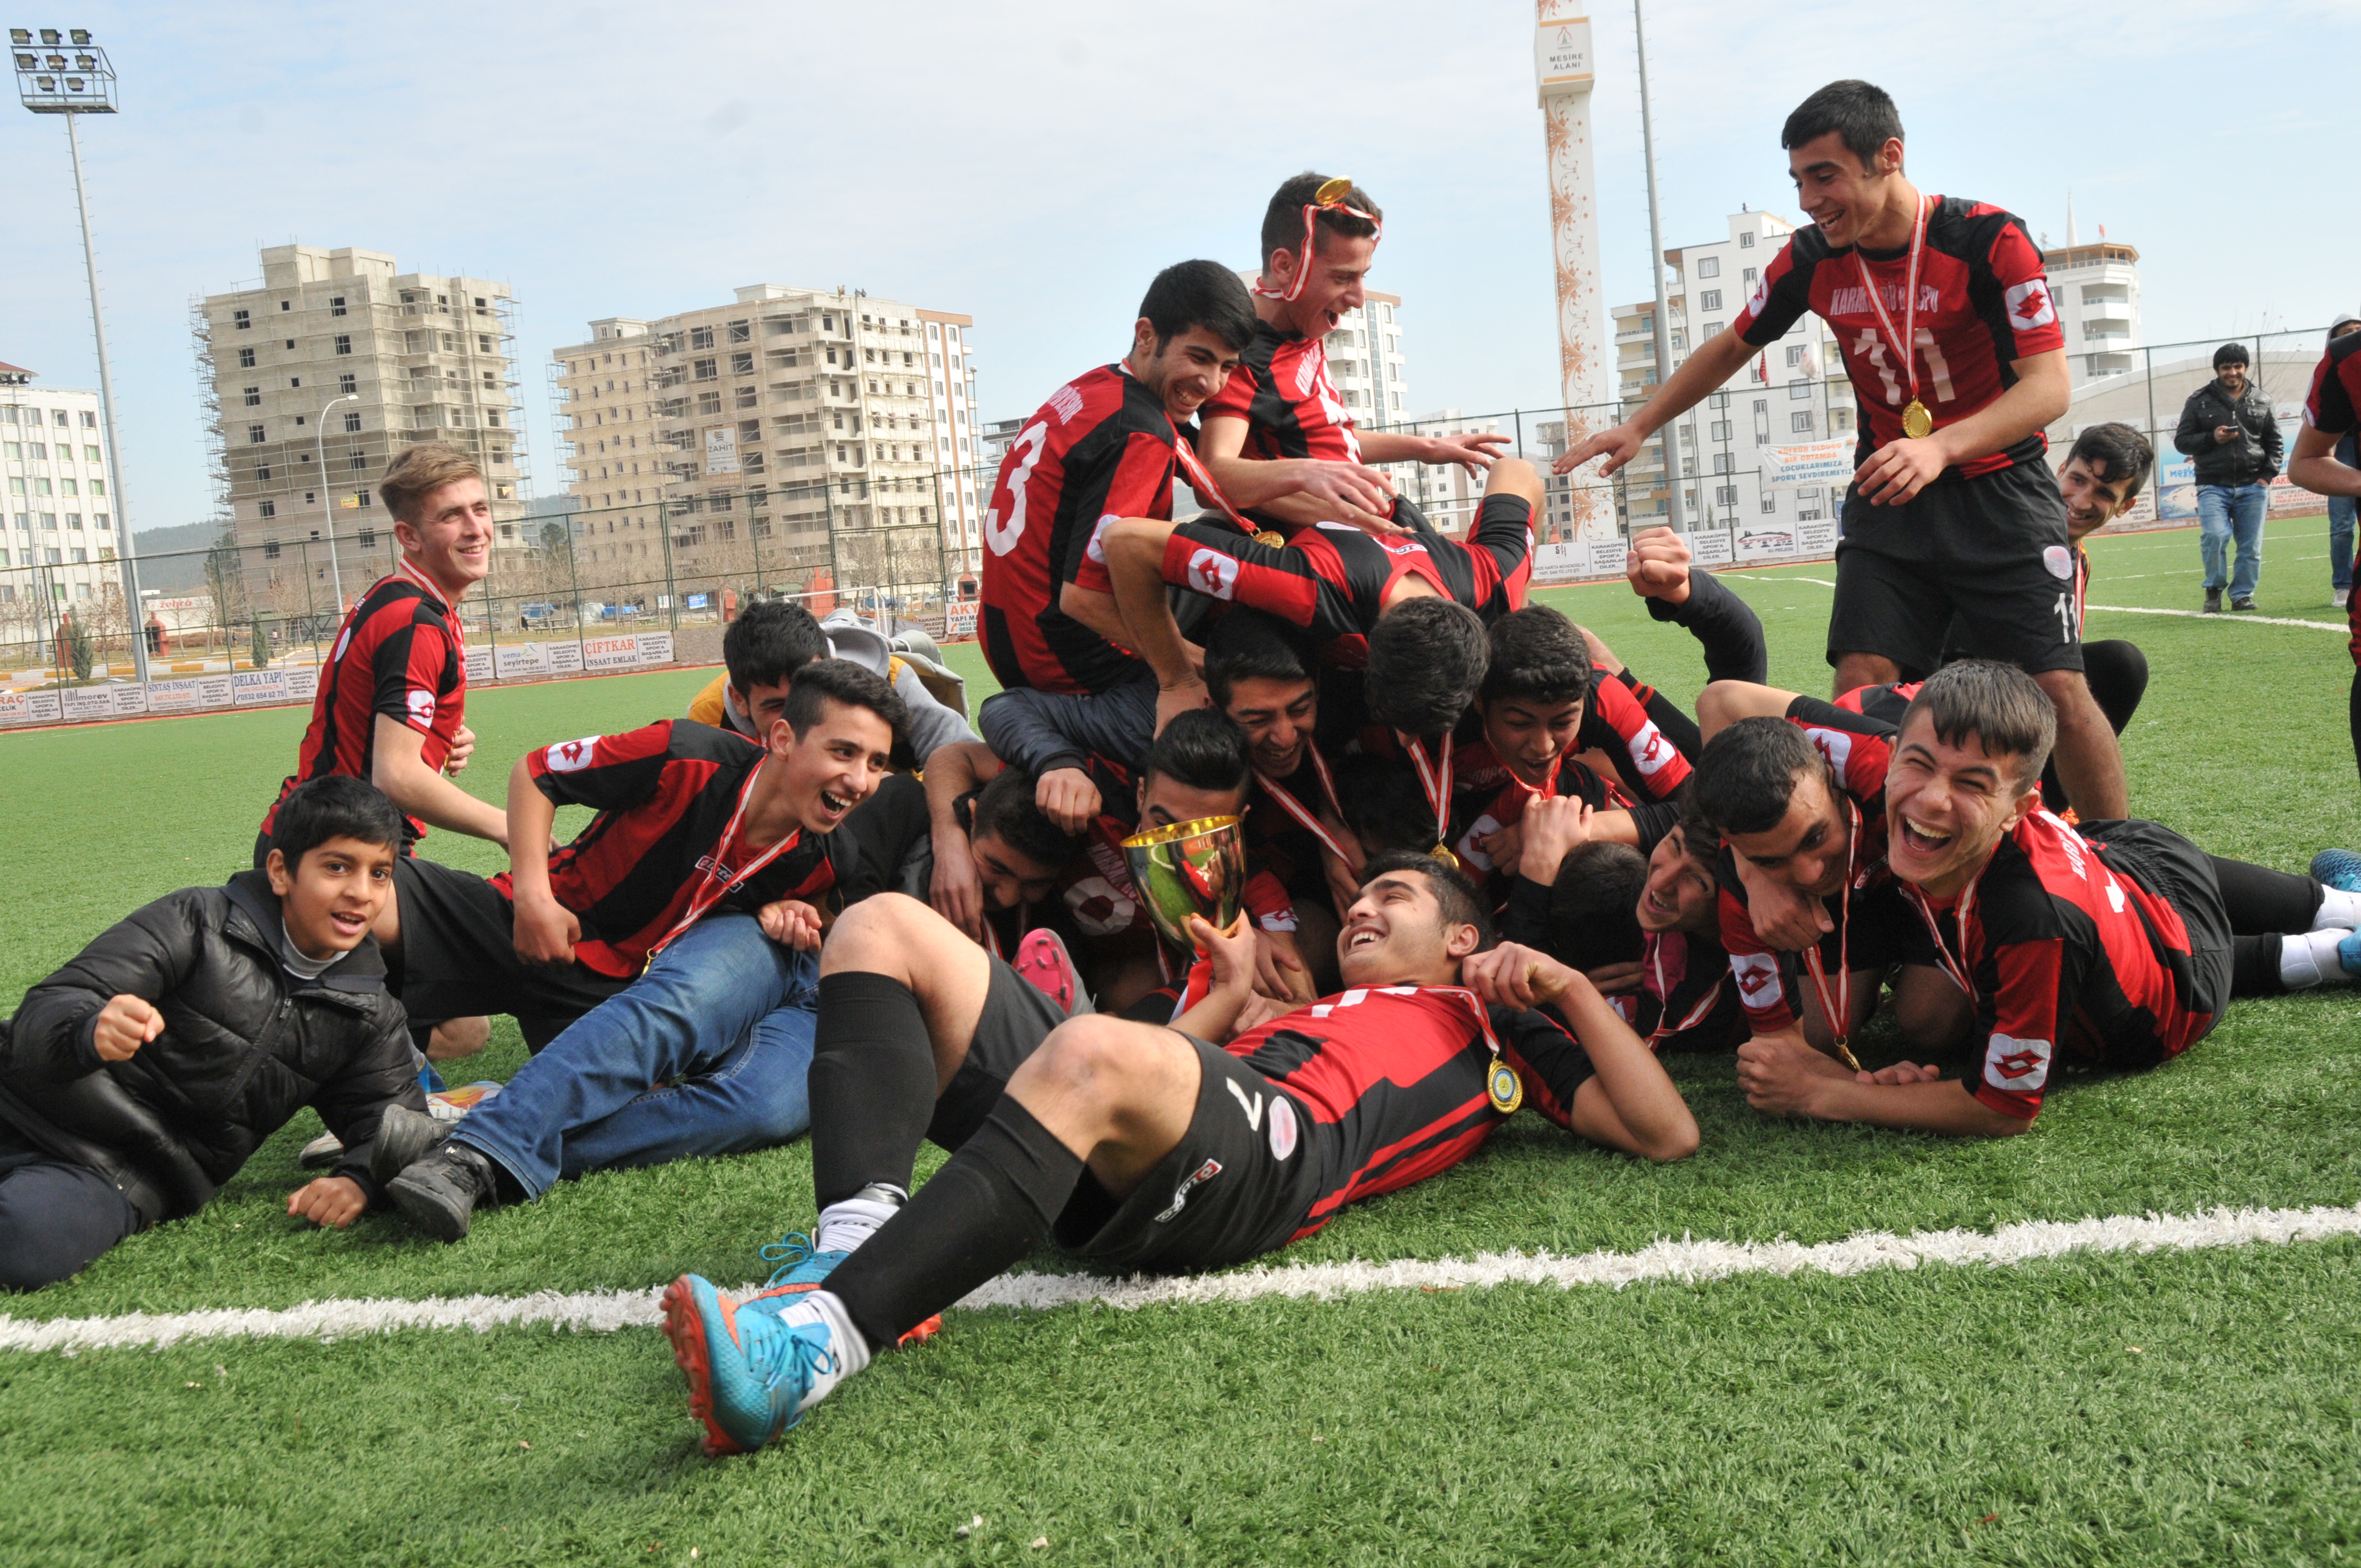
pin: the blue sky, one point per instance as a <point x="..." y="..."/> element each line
<point x="1032" y="165"/>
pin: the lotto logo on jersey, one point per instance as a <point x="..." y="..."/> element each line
<point x="1758" y="978"/>
<point x="2020" y="1067"/>
<point x="1761" y="297"/>
<point x="1835" y="745"/>
<point x="421" y="707"/>
<point x="2029" y="305"/>
<point x="573" y="756"/>
<point x="1213" y="574"/>
<point x="1650" y="751"/>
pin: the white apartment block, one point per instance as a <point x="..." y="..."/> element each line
<point x="763" y="434"/>
<point x="318" y="376"/>
<point x="60" y="519"/>
<point x="2096" y="290"/>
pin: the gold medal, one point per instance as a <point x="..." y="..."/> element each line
<point x="1917" y="422"/>
<point x="1332" y="191"/>
<point x="1505" y="1089"/>
<point x="1270" y="537"/>
<point x="1442" y="853"/>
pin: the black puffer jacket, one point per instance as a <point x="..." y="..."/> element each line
<point x="245" y="1045"/>
<point x="2250" y="457"/>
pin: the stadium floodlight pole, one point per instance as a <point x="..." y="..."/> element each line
<point x="327" y="501"/>
<point x="1670" y="435"/>
<point x="66" y="74"/>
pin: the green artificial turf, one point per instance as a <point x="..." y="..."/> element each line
<point x="1939" y="1414"/>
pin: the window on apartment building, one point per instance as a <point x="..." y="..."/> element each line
<point x="1724" y="463"/>
<point x="345" y="383"/>
<point x="700" y="337"/>
<point x="241" y="320"/>
<point x="336" y="305"/>
<point x="1719" y="431"/>
<point x="254" y="434"/>
<point x="1708" y="267"/>
<point x="254" y="397"/>
<point x="483" y="342"/>
<point x="290" y="344"/>
<point x="1800" y="421"/>
<point x="271" y="508"/>
<point x="741" y="363"/>
<point x="1798" y="390"/>
<point x="1746" y="240"/>
<point x="1724" y="495"/>
<point x="707" y="371"/>
<point x="1750" y="275"/>
<point x="1796" y="352"/>
<point x="245" y="359"/>
<point x="344" y="343"/>
<point x="741" y="331"/>
<point x="1708" y="299"/>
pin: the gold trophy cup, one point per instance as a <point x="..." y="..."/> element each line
<point x="1190" y="867"/>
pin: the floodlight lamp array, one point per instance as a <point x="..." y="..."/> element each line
<point x="64" y="74"/>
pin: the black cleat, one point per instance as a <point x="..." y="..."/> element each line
<point x="404" y="1138"/>
<point x="2243" y="607"/>
<point x="440" y="1194"/>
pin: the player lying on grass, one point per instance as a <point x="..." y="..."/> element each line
<point x="772" y="639"/>
<point x="2113" y="947"/>
<point x="704" y="883"/>
<point x="1012" y="852"/>
<point x="1142" y="1147"/>
<point x="138" y="1078"/>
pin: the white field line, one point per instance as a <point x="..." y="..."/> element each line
<point x="1684" y="1262"/>
<point x="2248" y="620"/>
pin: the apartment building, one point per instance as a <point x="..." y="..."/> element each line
<point x="769" y="434"/>
<point x="60" y="519"/>
<point x="317" y="376"/>
<point x="2096" y="291"/>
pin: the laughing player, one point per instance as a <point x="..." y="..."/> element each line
<point x="1142" y="1147"/>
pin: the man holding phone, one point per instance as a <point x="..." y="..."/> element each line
<point x="2227" y="429"/>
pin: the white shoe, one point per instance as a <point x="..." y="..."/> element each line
<point x="2341" y="597"/>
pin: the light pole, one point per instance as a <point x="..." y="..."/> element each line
<point x="66" y="74"/>
<point x="327" y="501"/>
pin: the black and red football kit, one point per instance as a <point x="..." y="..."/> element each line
<point x="666" y="845"/>
<point x="2111" y="951"/>
<point x="1101" y="448"/>
<point x="1332" y="580"/>
<point x="2333" y="407"/>
<point x="401" y="652"/>
<point x="1281" y="389"/>
<point x="1986" y="541"/>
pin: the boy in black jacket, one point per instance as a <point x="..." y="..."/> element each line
<point x="139" y="1077"/>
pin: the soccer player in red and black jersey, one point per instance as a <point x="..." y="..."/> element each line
<point x="705" y="881"/>
<point x="1143" y="1147"/>
<point x="1943" y="313"/>
<point x="1279" y="405"/>
<point x="391" y="705"/>
<point x="2115" y="944"/>
<point x="2332" y="410"/>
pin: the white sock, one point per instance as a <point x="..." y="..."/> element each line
<point x="844" y="1226"/>
<point x="2309" y="959"/>
<point x="851" y="1351"/>
<point x="2339" y="910"/>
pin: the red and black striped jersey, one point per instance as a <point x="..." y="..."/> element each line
<point x="1983" y="304"/>
<point x="401" y="653"/>
<point x="1411" y="1045"/>
<point x="1282" y="390"/>
<point x="1332" y="580"/>
<point x="668" y="798"/>
<point x="2070" y="954"/>
<point x="1859" y="760"/>
<point x="1100" y="448"/>
<point x="2333" y="408"/>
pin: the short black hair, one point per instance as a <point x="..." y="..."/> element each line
<point x="1385" y="805"/>
<point x="1453" y="890"/>
<point x="2230" y="354"/>
<point x="1861" y="111"/>
<point x="1746" y="775"/>
<point x="769" y="641"/>
<point x="335" y="806"/>
<point x="1007" y="809"/>
<point x="1427" y="657"/>
<point x="841" y="680"/>
<point x="1282" y="221"/>
<point x="1202" y="750"/>
<point x="1254" y="645"/>
<point x="1594" y="906"/>
<point x="1539" y="656"/>
<point x="2001" y="707"/>
<point x="1199" y="293"/>
<point x="2115" y="452"/>
<point x="1700" y="839"/>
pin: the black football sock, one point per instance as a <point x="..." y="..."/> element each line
<point x="2255" y="966"/>
<point x="988" y="1206"/>
<point x="872" y="1082"/>
<point x="1504" y="509"/>
<point x="2259" y="899"/>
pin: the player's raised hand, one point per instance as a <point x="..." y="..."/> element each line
<point x="462" y="746"/>
<point x="791" y="922"/>
<point x="1354" y="492"/>
<point x="1068" y="797"/>
<point x="1474" y="450"/>
<point x="1553" y="826"/>
<point x="544" y="930"/>
<point x="1900" y="469"/>
<point x="1618" y="444"/>
<point x="1512" y="975"/>
<point x="1618" y="980"/>
<point x="1657" y="565"/>
<point x="1232" y="951"/>
<point x="124" y="1025"/>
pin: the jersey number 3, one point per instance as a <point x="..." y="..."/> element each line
<point x="1003" y="537"/>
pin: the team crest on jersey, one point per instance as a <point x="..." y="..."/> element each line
<point x="1197" y="1178"/>
<point x="1099" y="908"/>
<point x="573" y="756"/>
<point x="2029" y="305"/>
<point x="1758" y="977"/>
<point x="2020" y="1067"/>
<point x="1284" y="1132"/>
<point x="2060" y="562"/>
<point x="420" y="703"/>
<point x="1214" y="574"/>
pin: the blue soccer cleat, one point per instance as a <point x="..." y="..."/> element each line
<point x="2340" y="868"/>
<point x="2348" y="955"/>
<point x="747" y="1372"/>
<point x="799" y="1270"/>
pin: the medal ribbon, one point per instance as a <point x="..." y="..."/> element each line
<point x="1908" y="342"/>
<point x="1839" y="1013"/>
<point x="1957" y="968"/>
<point x="459" y="632"/>
<point x="1435" y="781"/>
<point x="1697" y="1015"/>
<point x="1302" y="814"/>
<point x="1202" y="481"/>
<point x="712" y="889"/>
<point x="1312" y="211"/>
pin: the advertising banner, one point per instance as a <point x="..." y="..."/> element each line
<point x="1710" y="547"/>
<point x="563" y="658"/>
<point x="1807" y="464"/>
<point x="959" y="618"/>
<point x="1551" y="564"/>
<point x="518" y="662"/>
<point x="1607" y="558"/>
<point x="86" y="702"/>
<point x="479" y="665"/>
<point x="1774" y="541"/>
<point x="174" y="696"/>
<point x="29" y="707"/>
<point x="249" y="687"/>
<point x="1817" y="538"/>
<point x="216" y="691"/>
<point x="129" y="697"/>
<point x="611" y="653"/>
<point x="655" y="647"/>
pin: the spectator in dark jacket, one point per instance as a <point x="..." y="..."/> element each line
<point x="2227" y="429"/>
<point x="140" y="1078"/>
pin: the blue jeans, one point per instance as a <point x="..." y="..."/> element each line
<point x="705" y="1054"/>
<point x="2227" y="512"/>
<point x="2340" y="542"/>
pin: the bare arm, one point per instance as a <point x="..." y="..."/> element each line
<point x="1782" y="1075"/>
<point x="951" y="772"/>
<point x="1300" y="490"/>
<point x="1714" y="361"/>
<point x="2314" y="466"/>
<point x="1627" y="1102"/>
<point x="1134" y="554"/>
<point x="1095" y="611"/>
<point x="1900" y="469"/>
<point x="544" y="930"/>
<point x="399" y="768"/>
